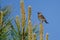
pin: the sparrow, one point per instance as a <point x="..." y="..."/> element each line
<point x="42" y="18"/>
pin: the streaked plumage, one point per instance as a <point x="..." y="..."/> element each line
<point x="41" y="17"/>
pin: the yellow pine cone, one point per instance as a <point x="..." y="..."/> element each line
<point x="1" y="17"/>
<point x="47" y="36"/>
<point x="41" y="31"/>
<point x="23" y="13"/>
<point x="29" y="30"/>
<point x="18" y="22"/>
<point x="34" y="37"/>
<point x="29" y="12"/>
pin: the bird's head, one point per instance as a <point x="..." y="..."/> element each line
<point x="39" y="13"/>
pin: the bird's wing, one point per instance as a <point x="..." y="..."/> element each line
<point x="42" y="17"/>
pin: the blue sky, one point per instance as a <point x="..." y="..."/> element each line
<point x="49" y="8"/>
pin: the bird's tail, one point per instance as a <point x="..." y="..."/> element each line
<point x="46" y="22"/>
